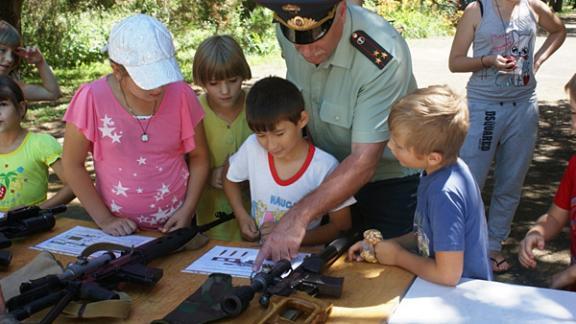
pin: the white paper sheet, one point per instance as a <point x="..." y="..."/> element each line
<point x="479" y="301"/>
<point x="75" y="240"/>
<point x="234" y="261"/>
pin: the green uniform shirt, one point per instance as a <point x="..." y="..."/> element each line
<point x="348" y="97"/>
<point x="223" y="140"/>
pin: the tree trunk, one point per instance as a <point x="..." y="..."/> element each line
<point x="10" y="11"/>
<point x="556" y="5"/>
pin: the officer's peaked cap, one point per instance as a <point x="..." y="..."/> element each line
<point x="303" y="21"/>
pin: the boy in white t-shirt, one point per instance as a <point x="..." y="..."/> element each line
<point x="280" y="165"/>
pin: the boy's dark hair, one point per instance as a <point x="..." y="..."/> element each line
<point x="272" y="100"/>
<point x="9" y="90"/>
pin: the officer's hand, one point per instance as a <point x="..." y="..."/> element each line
<point x="265" y="230"/>
<point x="283" y="242"/>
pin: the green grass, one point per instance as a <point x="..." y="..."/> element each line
<point x="70" y="79"/>
<point x="567" y="10"/>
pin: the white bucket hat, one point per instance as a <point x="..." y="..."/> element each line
<point x="143" y="45"/>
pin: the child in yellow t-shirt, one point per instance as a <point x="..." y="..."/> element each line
<point x="25" y="156"/>
<point x="220" y="68"/>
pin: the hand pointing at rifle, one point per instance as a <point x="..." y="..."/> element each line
<point x="283" y="242"/>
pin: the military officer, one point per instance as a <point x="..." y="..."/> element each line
<point x="351" y="66"/>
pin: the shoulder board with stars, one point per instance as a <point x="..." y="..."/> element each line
<point x="372" y="50"/>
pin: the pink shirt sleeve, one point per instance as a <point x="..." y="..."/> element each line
<point x="80" y="111"/>
<point x="91" y="103"/>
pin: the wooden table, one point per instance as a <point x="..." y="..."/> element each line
<point x="370" y="292"/>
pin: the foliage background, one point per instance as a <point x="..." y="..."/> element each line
<point x="72" y="33"/>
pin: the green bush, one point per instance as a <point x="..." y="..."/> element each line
<point x="73" y="32"/>
<point x="416" y="24"/>
<point x="419" y="18"/>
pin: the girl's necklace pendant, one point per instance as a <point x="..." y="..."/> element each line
<point x="144" y="138"/>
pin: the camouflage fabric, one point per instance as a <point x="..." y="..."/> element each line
<point x="203" y="306"/>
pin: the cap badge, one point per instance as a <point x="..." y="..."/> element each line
<point x="291" y="8"/>
<point x="301" y="23"/>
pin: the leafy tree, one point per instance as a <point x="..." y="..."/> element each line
<point x="10" y="11"/>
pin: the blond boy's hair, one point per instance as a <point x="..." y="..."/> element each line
<point x="218" y="58"/>
<point x="433" y="119"/>
<point x="570" y="88"/>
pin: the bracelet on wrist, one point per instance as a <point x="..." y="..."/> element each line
<point x="371" y="238"/>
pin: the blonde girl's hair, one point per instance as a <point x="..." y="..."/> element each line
<point x="570" y="88"/>
<point x="432" y="119"/>
<point x="10" y="37"/>
<point x="219" y="57"/>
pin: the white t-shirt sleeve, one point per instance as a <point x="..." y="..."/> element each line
<point x="238" y="170"/>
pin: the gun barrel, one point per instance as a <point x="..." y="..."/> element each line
<point x="83" y="266"/>
<point x="29" y="220"/>
<point x="221" y="217"/>
<point x="335" y="250"/>
<point x="165" y="244"/>
<point x="240" y="297"/>
<point x="24" y="311"/>
<point x="317" y="263"/>
<point x="175" y="239"/>
<point x="54" y="210"/>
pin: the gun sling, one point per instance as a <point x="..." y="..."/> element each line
<point x="45" y="264"/>
<point x="116" y="308"/>
<point x="42" y="265"/>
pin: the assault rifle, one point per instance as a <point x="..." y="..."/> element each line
<point x="307" y="277"/>
<point x="93" y="279"/>
<point x="23" y="222"/>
